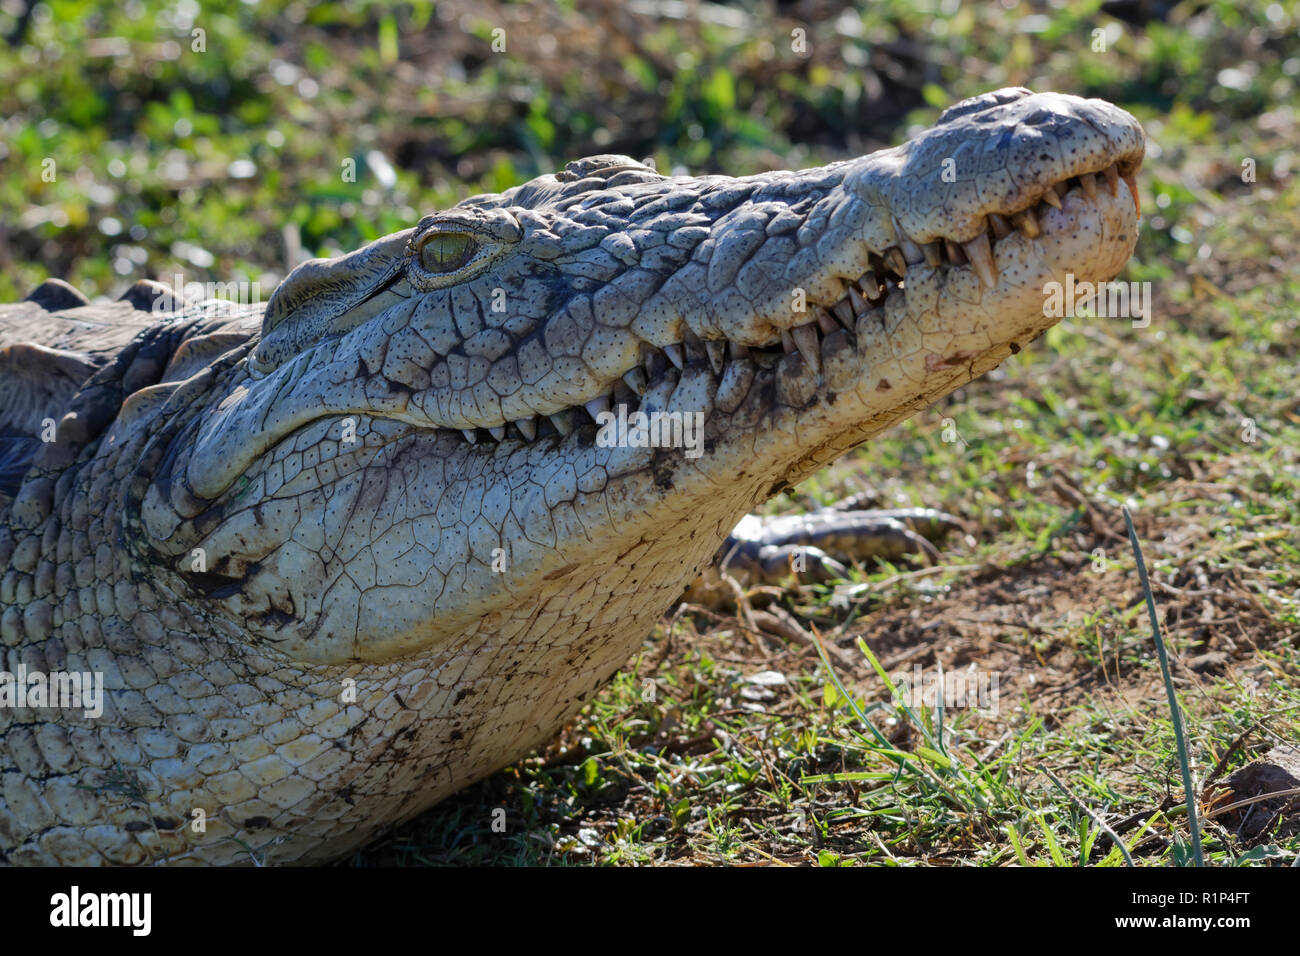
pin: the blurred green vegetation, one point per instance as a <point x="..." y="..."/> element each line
<point x="221" y="154"/>
<point x="188" y="137"/>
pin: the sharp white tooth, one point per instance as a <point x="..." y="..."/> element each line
<point x="824" y="320"/>
<point x="911" y="251"/>
<point x="844" y="312"/>
<point x="858" y="303"/>
<point x="622" y="395"/>
<point x="805" y="338"/>
<point x="787" y="341"/>
<point x="1132" y="181"/>
<point x="954" y="251"/>
<point x="1089" y="183"/>
<point x="596" y="406"/>
<point x="894" y="259"/>
<point x="980" y="254"/>
<point x="563" y="424"/>
<point x="1051" y="198"/>
<point x="636" y="380"/>
<point x="933" y="254"/>
<point x="717" y="350"/>
<point x="1001" y="228"/>
<point x="737" y="351"/>
<point x="470" y="435"/>
<point x="498" y="432"/>
<point x="674" y="353"/>
<point x="1027" y="223"/>
<point x="1111" y="173"/>
<point x="527" y="427"/>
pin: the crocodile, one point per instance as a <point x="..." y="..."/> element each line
<point x="336" y="556"/>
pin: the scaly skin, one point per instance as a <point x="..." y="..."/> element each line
<point x="341" y="559"/>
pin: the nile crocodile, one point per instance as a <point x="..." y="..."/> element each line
<point x="338" y="556"/>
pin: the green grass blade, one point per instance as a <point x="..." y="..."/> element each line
<point x="1015" y="845"/>
<point x="1114" y="837"/>
<point x="1175" y="713"/>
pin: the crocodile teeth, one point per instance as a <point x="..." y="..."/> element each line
<point x="1051" y="198"/>
<point x="844" y="312"/>
<point x="1111" y="173"/>
<point x="692" y="346"/>
<point x="911" y="251"/>
<point x="623" y="395"/>
<point x="717" y="350"/>
<point x="955" y="253"/>
<point x="498" y="432"/>
<point x="870" y="284"/>
<point x="1001" y="228"/>
<point x="737" y="351"/>
<point x="1089" y="183"/>
<point x="933" y="254"/>
<point x="980" y="254"/>
<point x="858" y="303"/>
<point x="527" y="427"/>
<point x="1027" y="223"/>
<point x="674" y="353"/>
<point x="598" y="405"/>
<point x="805" y="338"/>
<point x="913" y="255"/>
<point x="896" y="261"/>
<point x="1133" y="191"/>
<point x="470" y="435"/>
<point x="636" y="379"/>
<point x="824" y="320"/>
<point x="563" y="424"/>
<point x="787" y="341"/>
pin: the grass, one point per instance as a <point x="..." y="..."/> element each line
<point x="1175" y="711"/>
<point x="724" y="741"/>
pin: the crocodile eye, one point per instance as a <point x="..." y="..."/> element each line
<point x="447" y="251"/>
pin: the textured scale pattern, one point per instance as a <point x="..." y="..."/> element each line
<point x="341" y="555"/>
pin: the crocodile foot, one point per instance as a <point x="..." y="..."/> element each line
<point x="819" y="546"/>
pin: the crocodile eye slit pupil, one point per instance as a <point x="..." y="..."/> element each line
<point x="447" y="252"/>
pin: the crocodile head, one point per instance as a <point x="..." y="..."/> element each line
<point x="341" y="555"/>
<point x="416" y="448"/>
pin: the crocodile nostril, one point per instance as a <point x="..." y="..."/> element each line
<point x="1038" y="118"/>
